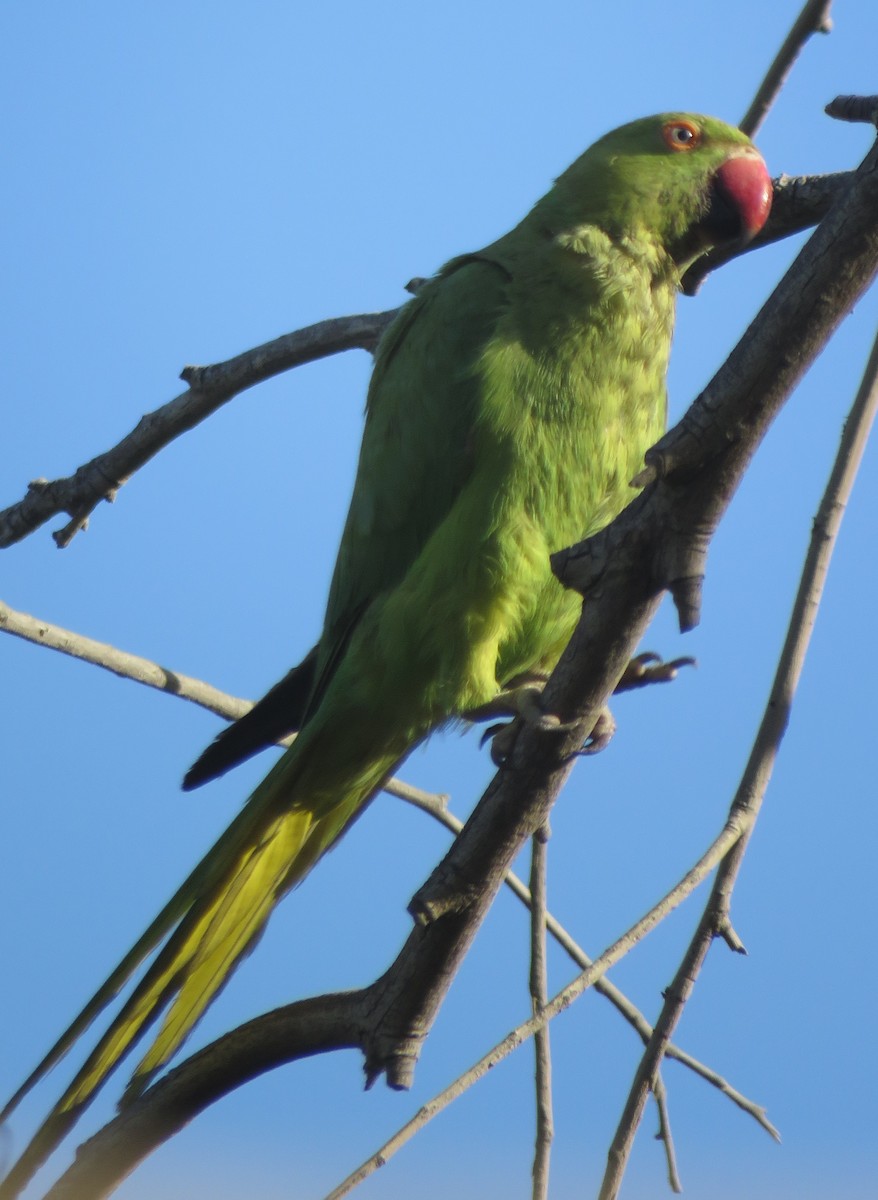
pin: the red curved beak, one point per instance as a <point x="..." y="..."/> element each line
<point x="744" y="184"/>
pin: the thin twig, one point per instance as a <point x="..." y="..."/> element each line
<point x="539" y="994"/>
<point x="664" y="1135"/>
<point x="751" y="790"/>
<point x="120" y="662"/>
<point x="859" y="109"/>
<point x="721" y="845"/>
<point x="814" y="18"/>
<point x="149" y="673"/>
<point x="437" y="807"/>
<point x="209" y="388"/>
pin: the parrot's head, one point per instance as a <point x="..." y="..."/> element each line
<point x="683" y="181"/>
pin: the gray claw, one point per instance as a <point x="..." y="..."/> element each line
<point x="649" y="668"/>
<point x="601" y="736"/>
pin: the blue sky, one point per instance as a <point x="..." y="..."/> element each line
<point x="186" y="180"/>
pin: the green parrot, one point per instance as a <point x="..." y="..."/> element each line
<point x="511" y="403"/>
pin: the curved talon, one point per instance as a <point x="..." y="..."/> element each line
<point x="502" y="738"/>
<point x="524" y="702"/>
<point x="650" y="668"/>
<point x="492" y="732"/>
<point x="665" y="672"/>
<point x="601" y="736"/>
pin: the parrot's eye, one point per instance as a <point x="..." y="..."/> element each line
<point x="681" y="135"/>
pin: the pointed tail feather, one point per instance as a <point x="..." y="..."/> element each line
<point x="227" y="932"/>
<point x="205" y="876"/>
<point x="278" y="714"/>
<point x="212" y="922"/>
<point x="286" y="854"/>
<point x="164" y="922"/>
<point x="199" y="957"/>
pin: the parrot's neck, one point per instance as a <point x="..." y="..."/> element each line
<point x="631" y="259"/>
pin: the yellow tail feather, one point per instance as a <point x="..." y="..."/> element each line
<point x="231" y="925"/>
<point x="223" y="921"/>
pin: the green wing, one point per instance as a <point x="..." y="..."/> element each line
<point x="416" y="453"/>
<point x="410" y="473"/>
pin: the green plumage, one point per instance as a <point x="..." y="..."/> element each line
<point x="511" y="403"/>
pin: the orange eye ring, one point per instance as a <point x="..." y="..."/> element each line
<point x="681" y="135"/>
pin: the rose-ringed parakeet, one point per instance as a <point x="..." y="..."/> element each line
<point x="511" y="403"/>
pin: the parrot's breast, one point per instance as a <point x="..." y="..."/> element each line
<point x="569" y="414"/>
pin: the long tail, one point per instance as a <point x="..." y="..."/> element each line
<point x="210" y="924"/>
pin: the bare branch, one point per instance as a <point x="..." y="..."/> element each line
<point x="814" y="18"/>
<point x="143" y="670"/>
<point x="308" y="1027"/>
<point x="120" y="662"/>
<point x="751" y="790"/>
<point x="692" y="879"/>
<point x="854" y="108"/>
<point x="437" y="807"/>
<point x="324" y="1023"/>
<point x="664" y="1135"/>
<point x="209" y="388"/>
<point x="539" y="994"/>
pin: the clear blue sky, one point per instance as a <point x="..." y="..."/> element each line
<point x="183" y="181"/>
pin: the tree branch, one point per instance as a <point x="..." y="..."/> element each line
<point x="539" y="994"/>
<point x="664" y="1135"/>
<point x="863" y="109"/>
<point x="814" y="18"/>
<point x="754" y="782"/>
<point x="209" y="388"/>
<point x="303" y="1029"/>
<point x="121" y="663"/>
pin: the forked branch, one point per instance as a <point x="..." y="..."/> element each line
<point x="715" y="920"/>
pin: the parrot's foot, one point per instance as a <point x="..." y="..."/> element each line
<point x="503" y="734"/>
<point x="502" y="738"/>
<point x="641" y="671"/>
<point x="522" y="701"/>
<point x="519" y="698"/>
<point x="650" y="668"/>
